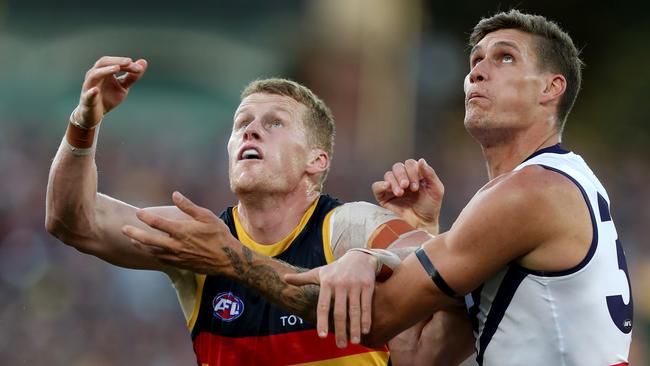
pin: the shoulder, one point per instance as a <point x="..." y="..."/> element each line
<point x="519" y="211"/>
<point x="531" y="187"/>
<point x="360" y="210"/>
<point x="354" y="224"/>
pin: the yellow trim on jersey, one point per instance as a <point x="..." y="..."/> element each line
<point x="327" y="245"/>
<point x="274" y="249"/>
<point x="200" y="280"/>
<point x="375" y="358"/>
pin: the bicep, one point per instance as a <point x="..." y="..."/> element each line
<point x="494" y="229"/>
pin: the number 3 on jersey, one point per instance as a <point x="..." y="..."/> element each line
<point x="621" y="313"/>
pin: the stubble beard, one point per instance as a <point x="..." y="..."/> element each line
<point x="489" y="132"/>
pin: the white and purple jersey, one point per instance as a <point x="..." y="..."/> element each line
<point x="579" y="316"/>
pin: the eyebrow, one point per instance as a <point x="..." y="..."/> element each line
<point x="499" y="43"/>
<point x="275" y="109"/>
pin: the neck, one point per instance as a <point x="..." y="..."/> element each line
<point x="503" y="158"/>
<point x="269" y="217"/>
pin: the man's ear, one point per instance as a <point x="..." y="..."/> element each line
<point x="554" y="88"/>
<point x="319" y="161"/>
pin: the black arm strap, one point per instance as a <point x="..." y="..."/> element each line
<point x="435" y="275"/>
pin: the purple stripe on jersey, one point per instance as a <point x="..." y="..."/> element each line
<point x="603" y="208"/>
<point x="506" y="292"/>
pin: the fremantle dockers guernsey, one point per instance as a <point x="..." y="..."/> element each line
<point x="580" y="316"/>
<point x="232" y="325"/>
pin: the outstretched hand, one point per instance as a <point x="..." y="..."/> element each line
<point x="191" y="244"/>
<point x="413" y="191"/>
<point x="102" y="90"/>
<point x="351" y="282"/>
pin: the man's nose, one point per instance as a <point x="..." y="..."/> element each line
<point x="252" y="131"/>
<point x="478" y="73"/>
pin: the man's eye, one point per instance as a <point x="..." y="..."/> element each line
<point x="276" y="123"/>
<point x="476" y="61"/>
<point x="508" y="59"/>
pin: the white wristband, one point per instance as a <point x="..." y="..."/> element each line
<point x="387" y="261"/>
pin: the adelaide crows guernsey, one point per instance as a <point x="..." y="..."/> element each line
<point x="580" y="316"/>
<point x="233" y="325"/>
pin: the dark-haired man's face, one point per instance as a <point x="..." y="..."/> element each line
<point x="503" y="86"/>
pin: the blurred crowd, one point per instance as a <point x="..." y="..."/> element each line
<point x="392" y="73"/>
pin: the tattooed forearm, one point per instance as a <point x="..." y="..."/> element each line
<point x="248" y="255"/>
<point x="305" y="298"/>
<point x="236" y="263"/>
<point x="265" y="276"/>
<point x="265" y="279"/>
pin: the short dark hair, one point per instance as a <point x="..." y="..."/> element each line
<point x="319" y="121"/>
<point x="555" y="50"/>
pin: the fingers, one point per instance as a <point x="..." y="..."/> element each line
<point x="112" y="60"/>
<point x="170" y="227"/>
<point x="430" y="177"/>
<point x="340" y="317"/>
<point x="96" y="76"/>
<point x="366" y="308"/>
<point x="310" y="277"/>
<point x="197" y="212"/>
<point x="323" y="311"/>
<point x="108" y="65"/>
<point x="354" y="312"/>
<point x="393" y="185"/>
<point x="154" y="241"/>
<point x="401" y="175"/>
<point x="413" y="174"/>
<point x="134" y="73"/>
<point x="382" y="191"/>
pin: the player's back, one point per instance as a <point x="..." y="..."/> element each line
<point x="579" y="316"/>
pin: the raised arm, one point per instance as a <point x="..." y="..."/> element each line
<point x="75" y="213"/>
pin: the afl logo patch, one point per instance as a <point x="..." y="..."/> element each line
<point x="227" y="307"/>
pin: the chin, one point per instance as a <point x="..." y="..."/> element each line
<point x="250" y="185"/>
<point x="243" y="185"/>
<point x="479" y="128"/>
<point x="473" y="123"/>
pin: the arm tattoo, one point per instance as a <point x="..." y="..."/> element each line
<point x="265" y="277"/>
<point x="235" y="261"/>
<point x="248" y="255"/>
